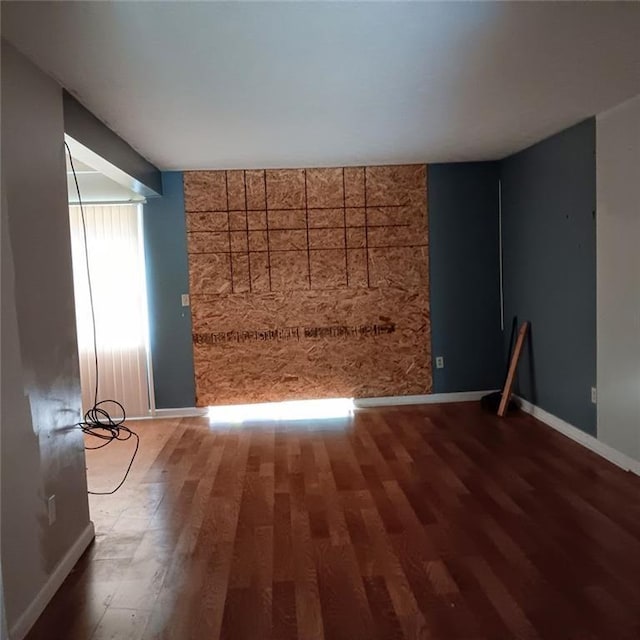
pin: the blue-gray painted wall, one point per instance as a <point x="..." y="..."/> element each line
<point x="465" y="270"/>
<point x="165" y="241"/>
<point x="549" y="250"/>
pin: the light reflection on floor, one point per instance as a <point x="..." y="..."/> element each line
<point x="329" y="413"/>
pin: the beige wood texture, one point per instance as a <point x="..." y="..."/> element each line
<point x="309" y="283"/>
<point x="513" y="366"/>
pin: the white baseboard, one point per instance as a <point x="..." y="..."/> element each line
<point x="593" y="444"/>
<point x="433" y="398"/>
<point x="180" y="412"/>
<point x="28" y="618"/>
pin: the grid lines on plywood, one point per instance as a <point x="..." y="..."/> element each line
<point x="295" y="229"/>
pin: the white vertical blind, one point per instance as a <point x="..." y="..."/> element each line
<point x="116" y="265"/>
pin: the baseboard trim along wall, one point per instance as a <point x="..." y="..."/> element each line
<point x="182" y="412"/>
<point x="63" y="569"/>
<point x="179" y="412"/>
<point x="360" y="403"/>
<point x="593" y="444"/>
<point x="433" y="398"/>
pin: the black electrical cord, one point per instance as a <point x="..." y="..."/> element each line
<point x="97" y="421"/>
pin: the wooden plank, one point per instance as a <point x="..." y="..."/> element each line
<point x="508" y="385"/>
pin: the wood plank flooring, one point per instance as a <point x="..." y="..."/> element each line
<point x="437" y="522"/>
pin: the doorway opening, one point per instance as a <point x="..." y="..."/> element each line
<point x="107" y="247"/>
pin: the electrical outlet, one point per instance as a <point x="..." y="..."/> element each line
<point x="185" y="299"/>
<point x="51" y="509"/>
<point x="439" y="362"/>
<point x="594" y="395"/>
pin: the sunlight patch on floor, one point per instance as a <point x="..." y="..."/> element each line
<point x="292" y="410"/>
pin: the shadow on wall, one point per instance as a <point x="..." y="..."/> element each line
<point x="21" y="487"/>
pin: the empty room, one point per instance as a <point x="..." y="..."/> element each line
<point x="320" y="320"/>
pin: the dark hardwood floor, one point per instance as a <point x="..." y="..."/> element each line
<point x="437" y="522"/>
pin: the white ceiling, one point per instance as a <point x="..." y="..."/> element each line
<point x="223" y="85"/>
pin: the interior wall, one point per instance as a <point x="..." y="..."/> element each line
<point x="549" y="257"/>
<point x="618" y="224"/>
<point x="308" y="283"/>
<point x="465" y="276"/>
<point x="463" y="223"/>
<point x="165" y="244"/>
<point x="88" y="130"/>
<point x="42" y="454"/>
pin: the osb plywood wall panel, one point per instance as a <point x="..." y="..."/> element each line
<point x="308" y="283"/>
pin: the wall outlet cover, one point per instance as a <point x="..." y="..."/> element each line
<point x="185" y="299"/>
<point x="594" y="395"/>
<point x="439" y="362"/>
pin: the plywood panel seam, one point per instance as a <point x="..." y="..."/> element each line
<point x="246" y="220"/>
<point x="226" y="188"/>
<point x="266" y="208"/>
<point x="306" y="211"/>
<point x="366" y="227"/>
<point x="344" y="214"/>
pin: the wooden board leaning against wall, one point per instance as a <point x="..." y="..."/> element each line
<point x="309" y="283"/>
